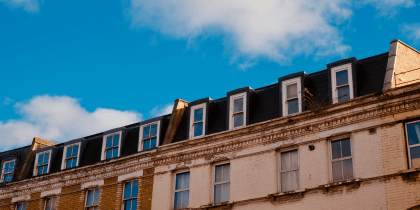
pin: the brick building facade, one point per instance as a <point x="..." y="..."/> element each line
<point x="347" y="137"/>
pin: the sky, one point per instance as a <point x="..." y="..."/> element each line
<point x="72" y="68"/>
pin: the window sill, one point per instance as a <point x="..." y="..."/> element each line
<point x="341" y="183"/>
<point x="408" y="171"/>
<point x="218" y="205"/>
<point x="293" y="192"/>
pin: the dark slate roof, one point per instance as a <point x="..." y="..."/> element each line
<point x="264" y="104"/>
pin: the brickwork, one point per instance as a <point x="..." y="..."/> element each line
<point x="146" y="189"/>
<point x="108" y="194"/>
<point x="71" y="197"/>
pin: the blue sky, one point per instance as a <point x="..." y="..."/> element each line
<point x="74" y="68"/>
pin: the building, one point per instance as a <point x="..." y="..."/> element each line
<point x="346" y="137"/>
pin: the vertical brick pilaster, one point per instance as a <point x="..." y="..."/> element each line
<point x="70" y="198"/>
<point x="108" y="194"/>
<point x="146" y="189"/>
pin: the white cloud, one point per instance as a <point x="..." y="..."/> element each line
<point x="389" y="7"/>
<point x="161" y="110"/>
<point x="59" y="118"/>
<point x="7" y="101"/>
<point x="27" y="5"/>
<point x="412" y="31"/>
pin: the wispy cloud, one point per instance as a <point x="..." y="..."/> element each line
<point x="389" y="8"/>
<point x="161" y="110"/>
<point x="28" y="5"/>
<point x="59" y="118"/>
<point x="412" y="31"/>
<point x="7" y="101"/>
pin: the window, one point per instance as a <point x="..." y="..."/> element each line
<point x="342" y="83"/>
<point x="222" y="183"/>
<point x="291" y="96"/>
<point x="149" y="135"/>
<point x="92" y="200"/>
<point x="131" y="190"/>
<point x="42" y="162"/>
<point x="182" y="190"/>
<point x="413" y="142"/>
<point x="7" y="171"/>
<point x="21" y="206"/>
<point x="71" y="153"/>
<point x="111" y="146"/>
<point x="342" y="165"/>
<point x="237" y="110"/>
<point x="197" y="120"/>
<point x="51" y="203"/>
<point x="289" y="171"/>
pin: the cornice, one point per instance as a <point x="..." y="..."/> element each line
<point x="277" y="132"/>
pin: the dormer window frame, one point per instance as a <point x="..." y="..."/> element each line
<point x="104" y="149"/>
<point x="334" y="86"/>
<point x="36" y="168"/>
<point x="285" y="100"/>
<point x="64" y="161"/>
<point x="203" y="121"/>
<point x="3" y="166"/>
<point x="141" y="140"/>
<point x="232" y="98"/>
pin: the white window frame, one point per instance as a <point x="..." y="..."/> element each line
<point x="334" y="70"/>
<point x="35" y="172"/>
<point x="3" y="165"/>
<point x="284" y="85"/>
<point x="213" y="179"/>
<point x="17" y="205"/>
<point x="138" y="193"/>
<point x="140" y="148"/>
<point x="174" y="184"/>
<point x="193" y="108"/>
<point x="340" y="159"/>
<point x="64" y="162"/>
<point x="86" y="197"/>
<point x="46" y="201"/>
<point x="103" y="157"/>
<point x="408" y="145"/>
<point x="279" y="166"/>
<point x="231" y="114"/>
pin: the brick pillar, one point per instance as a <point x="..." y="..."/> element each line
<point x="146" y="189"/>
<point x="70" y="198"/>
<point x="109" y="194"/>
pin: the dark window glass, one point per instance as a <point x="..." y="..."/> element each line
<point x="343" y="93"/>
<point x="342" y="78"/>
<point x="293" y="106"/>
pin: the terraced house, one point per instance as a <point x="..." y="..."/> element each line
<point x="347" y="137"/>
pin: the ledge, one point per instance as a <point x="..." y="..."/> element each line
<point x="217" y="205"/>
<point x="341" y="183"/>
<point x="293" y="192"/>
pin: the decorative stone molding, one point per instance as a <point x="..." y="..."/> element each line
<point x="222" y="156"/>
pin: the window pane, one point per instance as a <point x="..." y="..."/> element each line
<point x="345" y="146"/>
<point x="135" y="190"/>
<point x="342" y="78"/>
<point x="285" y="182"/>
<point x="347" y="169"/>
<point x="238" y="120"/>
<point x="219" y="173"/>
<point x="225" y="192"/>
<point x="293" y="106"/>
<point x="226" y="172"/>
<point x="337" y="170"/>
<point x="115" y="152"/>
<point x="127" y="190"/>
<point x="68" y="163"/>
<point x="198" y="129"/>
<point x="181" y="199"/>
<point x="198" y="115"/>
<point x="109" y="154"/>
<point x="153" y="130"/>
<point x="217" y="193"/>
<point x="8" y="178"/>
<point x="46" y="158"/>
<point x="413" y="132"/>
<point x="40" y="159"/>
<point x="108" y="141"/>
<point x="238" y="105"/>
<point x="69" y="151"/>
<point x="415" y="157"/>
<point x="343" y="93"/>
<point x="116" y="140"/>
<point x="6" y="167"/>
<point x="182" y="181"/>
<point x="336" y="149"/>
<point x="96" y="197"/>
<point x="127" y="205"/>
<point x="90" y="198"/>
<point x="75" y="150"/>
<point x="285" y="161"/>
<point x="134" y="204"/>
<point x="146" y="145"/>
<point x="146" y="132"/>
<point x="153" y="143"/>
<point x="292" y="91"/>
<point x="74" y="164"/>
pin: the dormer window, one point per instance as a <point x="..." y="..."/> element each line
<point x="149" y="136"/>
<point x="342" y="84"/>
<point x="237" y="111"/>
<point x="71" y="156"/>
<point x="197" y="120"/>
<point x="111" y="146"/>
<point x="42" y="162"/>
<point x="7" y="170"/>
<point x="291" y="96"/>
